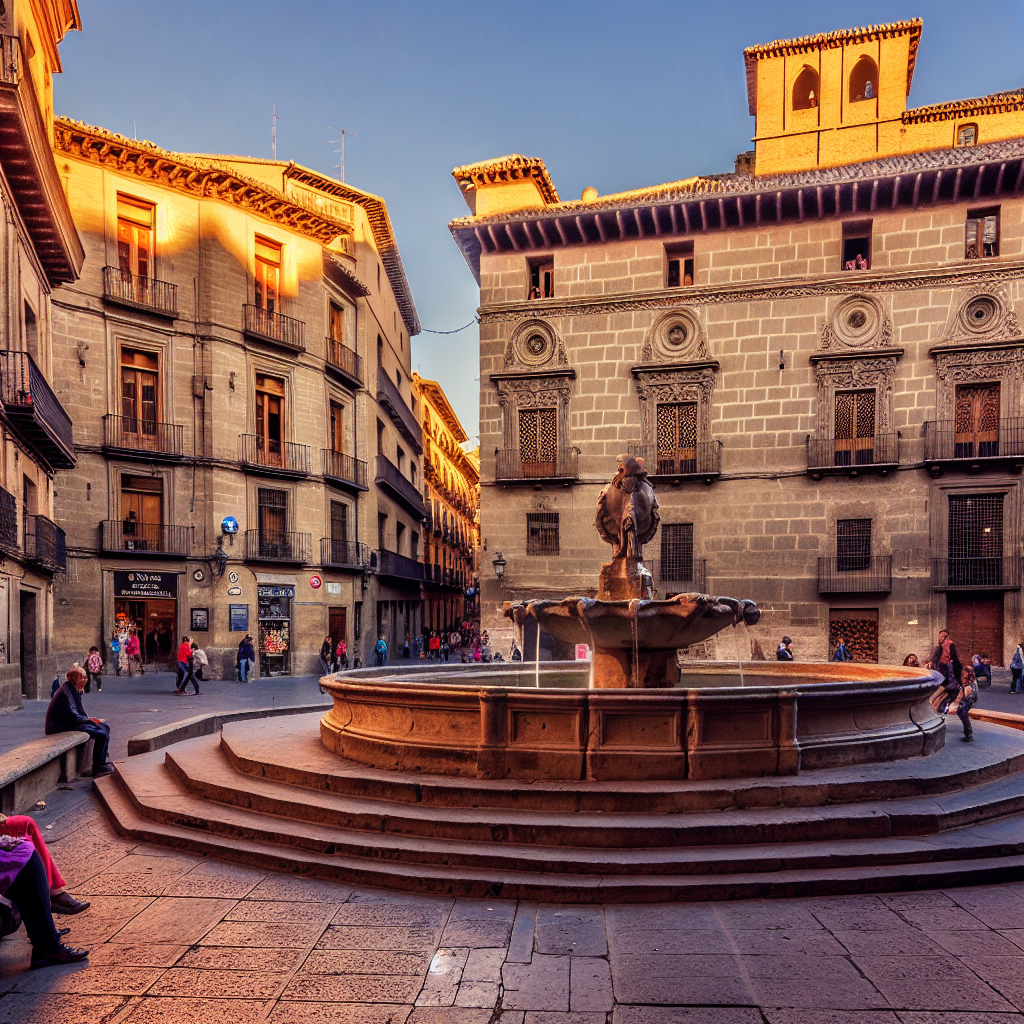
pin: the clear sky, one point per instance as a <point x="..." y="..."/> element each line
<point x="614" y="95"/>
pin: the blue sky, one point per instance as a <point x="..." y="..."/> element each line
<point x="614" y="95"/>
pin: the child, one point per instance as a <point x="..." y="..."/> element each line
<point x="93" y="668"/>
<point x="968" y="698"/>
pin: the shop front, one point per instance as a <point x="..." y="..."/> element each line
<point x="275" y="628"/>
<point x="146" y="604"/>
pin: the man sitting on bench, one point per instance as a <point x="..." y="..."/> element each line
<point x="66" y="714"/>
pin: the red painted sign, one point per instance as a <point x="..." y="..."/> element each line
<point x="316" y="582"/>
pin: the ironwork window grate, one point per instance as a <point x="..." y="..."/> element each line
<point x="677" y="551"/>
<point x="542" y="533"/>
<point x="853" y="544"/>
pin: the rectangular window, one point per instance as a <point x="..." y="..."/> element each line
<point x="975" y="540"/>
<point x="538" y="442"/>
<point x="339" y="523"/>
<point x="857" y="245"/>
<point x="855" y="428"/>
<point x="542" y="533"/>
<point x="677" y="438"/>
<point x="676" y="552"/>
<point x="337" y="427"/>
<point x="272" y="516"/>
<point x="336" y="324"/>
<point x="141" y="512"/>
<point x="976" y="416"/>
<point x="981" y="234"/>
<point x="382" y="528"/>
<point x="31" y="332"/>
<point x="135" y="222"/>
<point x="268" y="274"/>
<point x="541" y="279"/>
<point x="140" y="394"/>
<point x="399" y="537"/>
<point x="853" y="545"/>
<point x="679" y="265"/>
<point x="270" y="420"/>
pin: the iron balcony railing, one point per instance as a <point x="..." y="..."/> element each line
<point x="8" y="523"/>
<point x="700" y="460"/>
<point x="128" y="289"/>
<point x="401" y="415"/>
<point x="391" y="564"/>
<point x="34" y="412"/>
<point x="997" y="573"/>
<point x="344" y="468"/>
<point x="944" y="443"/>
<point x="343" y="552"/>
<point x="510" y="465"/>
<point x="10" y="55"/>
<point x="855" y="574"/>
<point x="282" y="457"/>
<point x="845" y="454"/>
<point x="149" y="437"/>
<point x="346" y="361"/>
<point x="45" y="543"/>
<point x="278" y="546"/>
<point x="390" y="477"/>
<point x="268" y="325"/>
<point x="146" y="538"/>
<point x="678" y="575"/>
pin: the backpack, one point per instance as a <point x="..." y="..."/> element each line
<point x="115" y="646"/>
<point x="1018" y="659"/>
<point x="381" y="648"/>
<point x="94" y="663"/>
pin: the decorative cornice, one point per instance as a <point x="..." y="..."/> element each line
<point x="781" y="288"/>
<point x="997" y="103"/>
<point x="514" y="167"/>
<point x="559" y="373"/>
<point x="837" y="355"/>
<point x="336" y="271"/>
<point x="967" y="345"/>
<point x="700" y="364"/>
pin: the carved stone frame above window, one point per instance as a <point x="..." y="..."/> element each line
<point x="675" y="336"/>
<point x="544" y="389"/>
<point x="674" y="382"/>
<point x="971" y="363"/>
<point x="856" y="371"/>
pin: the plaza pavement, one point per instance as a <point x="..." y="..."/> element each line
<point x="179" y="939"/>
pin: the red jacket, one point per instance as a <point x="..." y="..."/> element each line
<point x="184" y="651"/>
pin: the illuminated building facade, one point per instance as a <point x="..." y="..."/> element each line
<point x="236" y="356"/>
<point x="451" y="492"/>
<point x="40" y="250"/>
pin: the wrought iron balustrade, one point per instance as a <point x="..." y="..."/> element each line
<point x="995" y="573"/>
<point x="829" y="454"/>
<point x="510" y="465"/>
<point x="128" y="289"/>
<point x="281" y="457"/>
<point x="345" y="360"/>
<point x="389" y="563"/>
<point x="45" y="543"/>
<point x="699" y="460"/>
<point x="138" y="434"/>
<point x="146" y="538"/>
<point x="855" y="574"/>
<point x="678" y="575"/>
<point x="943" y="442"/>
<point x="278" y="546"/>
<point x="33" y="410"/>
<point x="343" y="552"/>
<point x="345" y="468"/>
<point x="269" y="325"/>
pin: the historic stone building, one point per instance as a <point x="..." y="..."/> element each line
<point x="451" y="493"/>
<point x="39" y="249"/>
<point x="819" y="356"/>
<point x="236" y="360"/>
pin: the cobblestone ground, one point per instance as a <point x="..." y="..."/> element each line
<point x="177" y="938"/>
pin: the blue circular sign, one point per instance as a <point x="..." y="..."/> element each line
<point x="229" y="524"/>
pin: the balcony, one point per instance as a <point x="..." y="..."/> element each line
<point x="123" y="288"/>
<point x="678" y="576"/>
<point x="344" y="363"/>
<point x="122" y="536"/>
<point x="278" y="546"/>
<point x="273" y="458"/>
<point x="390" y="478"/>
<point x="9" y="524"/>
<point x="401" y="415"/>
<point x="145" y="439"/>
<point x="274" y="328"/>
<point x="837" y="456"/>
<point x="34" y="412"/>
<point x="976" y="573"/>
<point x="343" y="470"/>
<point x="974" y="451"/>
<point x="701" y="462"/>
<point x="343" y="554"/>
<point x="26" y="147"/>
<point x="45" y="544"/>
<point x="398" y="566"/>
<point x="855" y="574"/>
<point x="509" y="467"/>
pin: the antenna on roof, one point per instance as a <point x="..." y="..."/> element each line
<point x="341" y="138"/>
<point x="273" y="127"/>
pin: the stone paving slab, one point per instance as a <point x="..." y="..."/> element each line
<point x="178" y="939"/>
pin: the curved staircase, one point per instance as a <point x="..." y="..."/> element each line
<point x="267" y="792"/>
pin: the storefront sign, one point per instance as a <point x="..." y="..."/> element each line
<point x="200" y="620"/>
<point x="276" y="591"/>
<point x="238" y="615"/>
<point x="143" y="585"/>
<point x="316" y="582"/>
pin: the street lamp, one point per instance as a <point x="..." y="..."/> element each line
<point x="499" y="566"/>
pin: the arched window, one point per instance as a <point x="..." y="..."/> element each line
<point x="967" y="135"/>
<point x="805" y="89"/>
<point x="864" y="80"/>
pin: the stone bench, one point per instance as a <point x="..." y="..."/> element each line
<point x="31" y="771"/>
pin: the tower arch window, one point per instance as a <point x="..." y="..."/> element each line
<point x="864" y="80"/>
<point x="805" y="89"/>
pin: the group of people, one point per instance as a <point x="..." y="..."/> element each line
<point x="333" y="656"/>
<point x="440" y="645"/>
<point x="191" y="662"/>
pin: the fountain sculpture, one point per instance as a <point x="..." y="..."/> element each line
<point x="634" y="638"/>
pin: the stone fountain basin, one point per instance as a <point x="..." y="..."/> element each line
<point x="725" y="720"/>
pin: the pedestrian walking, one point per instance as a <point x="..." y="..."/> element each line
<point x="341" y="655"/>
<point x="945" y="659"/>
<point x="133" y="652"/>
<point x="115" y="653"/>
<point x="94" y="668"/>
<point x="183" y="657"/>
<point x="199" y="661"/>
<point x="784" y="652"/>
<point x="407" y="647"/>
<point x="968" y="691"/>
<point x="326" y="651"/>
<point x="1017" y="669"/>
<point x="245" y="658"/>
<point x="434" y="644"/>
<point x="380" y="653"/>
<point x="842" y="652"/>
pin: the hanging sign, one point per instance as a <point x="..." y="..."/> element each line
<point x="142" y="585"/>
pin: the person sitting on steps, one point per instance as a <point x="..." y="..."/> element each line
<point x="21" y="826"/>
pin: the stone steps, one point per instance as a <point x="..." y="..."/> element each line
<point x="201" y="770"/>
<point x="984" y="854"/>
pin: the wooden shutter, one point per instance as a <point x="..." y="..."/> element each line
<point x="538" y="441"/>
<point x="855" y="428"/>
<point x="977" y="421"/>
<point x="677" y="438"/>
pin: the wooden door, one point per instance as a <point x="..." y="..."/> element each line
<point x="975" y="622"/>
<point x="977" y="421"/>
<point x="677" y="438"/>
<point x="855" y="428"/>
<point x="538" y="442"/>
<point x="337" y="625"/>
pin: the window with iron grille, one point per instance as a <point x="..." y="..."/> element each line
<point x="855" y="428"/>
<point x="273" y="511"/>
<point x="677" y="551"/>
<point x="677" y="437"/>
<point x="976" y="526"/>
<point x="542" y="533"/>
<point x="853" y="544"/>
